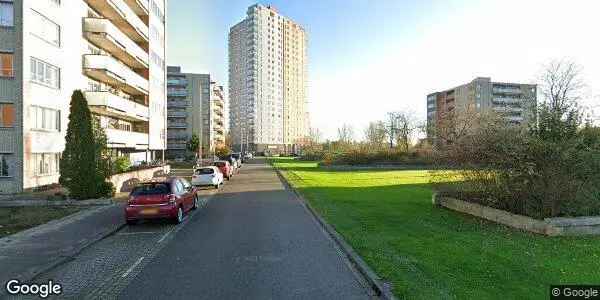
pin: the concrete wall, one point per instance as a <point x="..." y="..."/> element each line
<point x="126" y="181"/>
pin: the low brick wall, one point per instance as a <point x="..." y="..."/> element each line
<point x="549" y="226"/>
<point x="126" y="181"/>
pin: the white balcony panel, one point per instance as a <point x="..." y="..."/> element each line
<point x="126" y="139"/>
<point x="108" y="70"/>
<point x="107" y="36"/>
<point x="106" y="103"/>
<point x="140" y="7"/>
<point x="123" y="16"/>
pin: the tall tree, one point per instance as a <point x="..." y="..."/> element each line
<point x="79" y="163"/>
<point x="346" y="134"/>
<point x="391" y="127"/>
<point x="375" y="134"/>
<point x="407" y="126"/>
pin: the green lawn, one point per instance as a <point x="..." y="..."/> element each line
<point x="15" y="219"/>
<point x="433" y="253"/>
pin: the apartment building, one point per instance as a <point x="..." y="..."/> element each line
<point x="112" y="50"/>
<point x="514" y="101"/>
<point x="268" y="82"/>
<point x="196" y="105"/>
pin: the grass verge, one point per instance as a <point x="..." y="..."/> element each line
<point x="15" y="219"/>
<point x="433" y="253"/>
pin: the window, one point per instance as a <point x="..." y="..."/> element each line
<point x="6" y="13"/>
<point x="46" y="163"/>
<point x="7" y="115"/>
<point x="3" y="166"/>
<point x="45" y="73"/>
<point x="45" y="118"/>
<point x="6" y="64"/>
<point x="45" y="29"/>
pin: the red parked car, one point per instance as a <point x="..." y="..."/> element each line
<point x="165" y="198"/>
<point x="225" y="167"/>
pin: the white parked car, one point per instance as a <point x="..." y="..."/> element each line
<point x="207" y="176"/>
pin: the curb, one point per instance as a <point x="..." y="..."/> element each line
<point x="382" y="290"/>
<point x="31" y="274"/>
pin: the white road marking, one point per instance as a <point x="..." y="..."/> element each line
<point x="166" y="235"/>
<point x="132" y="267"/>
<point x="141" y="232"/>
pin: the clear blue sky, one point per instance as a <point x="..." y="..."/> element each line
<point x="387" y="55"/>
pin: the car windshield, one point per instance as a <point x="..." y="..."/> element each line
<point x="236" y="156"/>
<point x="204" y="171"/>
<point x="151" y="189"/>
<point x="220" y="164"/>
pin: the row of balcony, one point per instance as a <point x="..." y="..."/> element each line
<point x="177" y="114"/>
<point x="104" y="34"/>
<point x="106" y="69"/>
<point x="127" y="139"/>
<point x="177" y="104"/>
<point x="499" y="90"/>
<point x="124" y="14"/>
<point x="109" y="104"/>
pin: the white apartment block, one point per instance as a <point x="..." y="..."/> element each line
<point x="112" y="50"/>
<point x="268" y="82"/>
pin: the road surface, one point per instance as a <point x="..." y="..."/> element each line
<point x="251" y="240"/>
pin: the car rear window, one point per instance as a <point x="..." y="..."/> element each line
<point x="151" y="189"/>
<point x="220" y="164"/>
<point x="205" y="171"/>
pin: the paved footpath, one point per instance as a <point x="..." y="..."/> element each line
<point x="251" y="240"/>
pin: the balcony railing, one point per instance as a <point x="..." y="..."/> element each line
<point x="140" y="7"/>
<point x="177" y="114"/>
<point x="507" y="90"/>
<point x="177" y="93"/>
<point x="177" y="125"/>
<point x="123" y="16"/>
<point x="108" y="70"/>
<point x="179" y="104"/>
<point x="126" y="139"/>
<point x="106" y="103"/>
<point x="107" y="36"/>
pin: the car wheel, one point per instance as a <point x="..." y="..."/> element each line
<point x="131" y="222"/>
<point x="179" y="217"/>
<point x="195" y="203"/>
<point x="217" y="186"/>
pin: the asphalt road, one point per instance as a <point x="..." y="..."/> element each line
<point x="251" y="240"/>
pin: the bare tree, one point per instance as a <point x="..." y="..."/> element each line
<point x="375" y="134"/>
<point x="346" y="134"/>
<point x="562" y="86"/>
<point x="391" y="127"/>
<point x="315" y="136"/>
<point x="407" y="127"/>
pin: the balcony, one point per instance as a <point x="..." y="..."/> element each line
<point x="499" y="90"/>
<point x="140" y="7"/>
<point x="126" y="139"/>
<point x="181" y="93"/>
<point x="123" y="16"/>
<point x="177" y="125"/>
<point x="106" y="69"/>
<point x="108" y="104"/>
<point x="177" y="104"/>
<point x="177" y="82"/>
<point x="105" y="35"/>
<point x="177" y="114"/>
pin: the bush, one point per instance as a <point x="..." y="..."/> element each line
<point x="524" y="172"/>
<point x="365" y="157"/>
<point x="106" y="190"/>
<point x="122" y="164"/>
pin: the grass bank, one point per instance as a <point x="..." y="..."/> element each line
<point x="433" y="253"/>
<point x="15" y="219"/>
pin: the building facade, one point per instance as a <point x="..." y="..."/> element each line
<point x="514" y="101"/>
<point x="196" y="105"/>
<point x="268" y="82"/>
<point x="113" y="51"/>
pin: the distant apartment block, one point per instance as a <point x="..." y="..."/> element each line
<point x="196" y="105"/>
<point x="514" y="101"/>
<point x="112" y="50"/>
<point x="268" y="82"/>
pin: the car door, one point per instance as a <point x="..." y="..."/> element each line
<point x="187" y="193"/>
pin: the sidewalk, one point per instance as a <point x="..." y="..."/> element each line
<point x="28" y="253"/>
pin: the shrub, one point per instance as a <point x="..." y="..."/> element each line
<point x="106" y="190"/>
<point x="122" y="164"/>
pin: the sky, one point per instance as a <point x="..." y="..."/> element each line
<point x="369" y="57"/>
